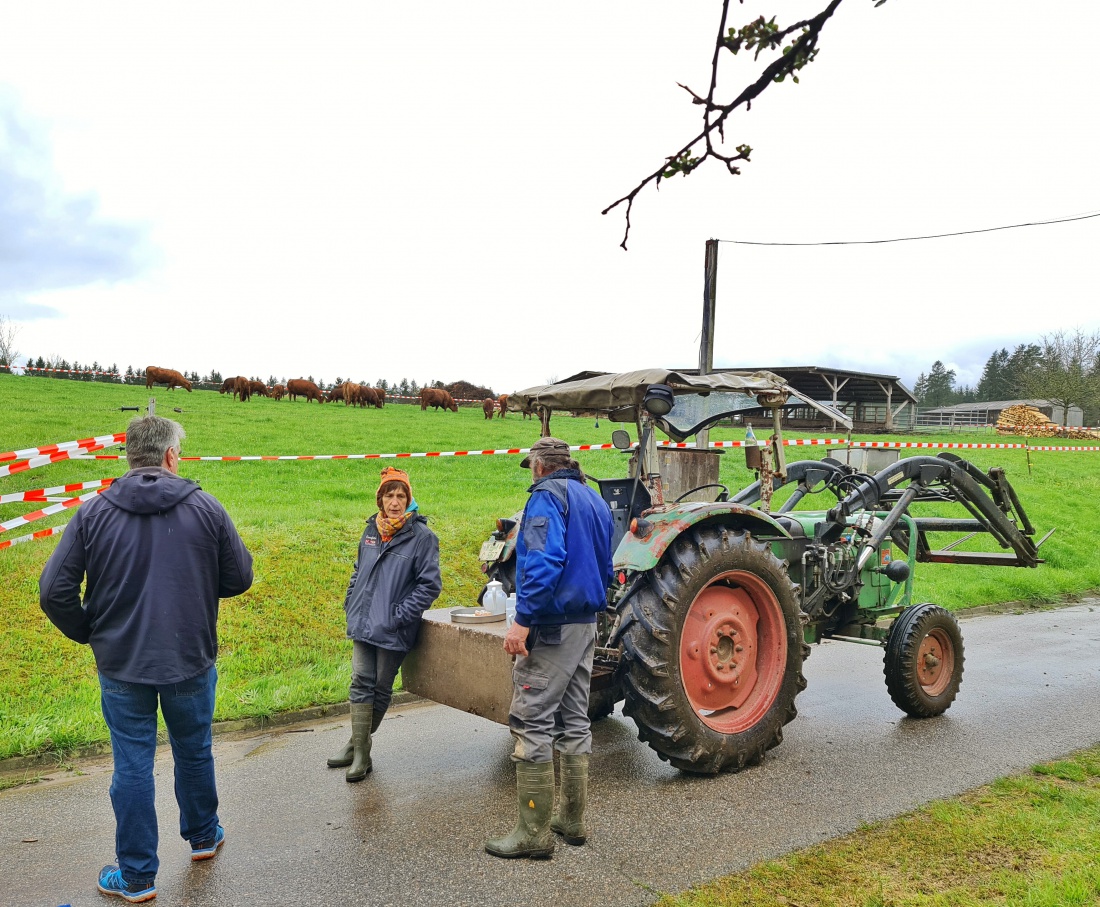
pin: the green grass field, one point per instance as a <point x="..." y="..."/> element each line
<point x="282" y="643"/>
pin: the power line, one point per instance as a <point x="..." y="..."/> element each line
<point x="871" y="242"/>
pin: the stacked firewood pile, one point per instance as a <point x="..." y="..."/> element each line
<point x="1029" y="422"/>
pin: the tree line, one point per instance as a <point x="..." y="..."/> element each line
<point x="1063" y="367"/>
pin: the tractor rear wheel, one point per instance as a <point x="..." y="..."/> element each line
<point x="924" y="660"/>
<point x="712" y="659"/>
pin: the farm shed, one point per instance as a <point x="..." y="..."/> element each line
<point x="874" y="403"/>
<point x="963" y="414"/>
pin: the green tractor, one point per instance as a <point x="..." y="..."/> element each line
<point x="719" y="594"/>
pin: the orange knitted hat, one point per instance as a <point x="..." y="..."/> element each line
<point x="393" y="474"/>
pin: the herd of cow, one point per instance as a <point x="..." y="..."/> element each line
<point x="351" y="393"/>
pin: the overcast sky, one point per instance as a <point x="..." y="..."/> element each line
<point x="414" y="190"/>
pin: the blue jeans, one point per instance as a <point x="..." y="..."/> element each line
<point x="130" y="710"/>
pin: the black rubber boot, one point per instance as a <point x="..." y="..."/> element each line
<point x="568" y="818"/>
<point x="531" y="837"/>
<point x="361" y="714"/>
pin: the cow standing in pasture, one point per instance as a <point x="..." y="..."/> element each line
<point x="300" y="387"/>
<point x="489" y="406"/>
<point x="258" y="388"/>
<point x="229" y="386"/>
<point x="278" y="391"/>
<point x="438" y="399"/>
<point x="334" y="393"/>
<point x="166" y="376"/>
<point x="372" y="396"/>
<point x="352" y="393"/>
<point x="244" y="388"/>
<point x="502" y="402"/>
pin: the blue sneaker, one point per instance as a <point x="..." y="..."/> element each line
<point x="204" y="850"/>
<point x="111" y="882"/>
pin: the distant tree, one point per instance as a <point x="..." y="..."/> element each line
<point x="1066" y="373"/>
<point x="271" y="382"/>
<point x="40" y="363"/>
<point x="30" y="362"/>
<point x="403" y="388"/>
<point x="9" y="330"/>
<point x="414" y="389"/>
<point x="993" y="385"/>
<point x="339" y="380"/>
<point x="383" y="384"/>
<point x="1020" y="371"/>
<point x="940" y="386"/>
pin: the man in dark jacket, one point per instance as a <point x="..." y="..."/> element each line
<point x="158" y="553"/>
<point x="563" y="569"/>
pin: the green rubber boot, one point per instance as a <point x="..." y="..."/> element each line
<point x="568" y="818"/>
<point x="531" y="837"/>
<point x="361" y="714"/>
<point x="343" y="757"/>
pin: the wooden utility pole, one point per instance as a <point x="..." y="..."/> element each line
<point x="706" y="337"/>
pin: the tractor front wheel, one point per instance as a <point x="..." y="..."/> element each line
<point x="713" y="653"/>
<point x="924" y="660"/>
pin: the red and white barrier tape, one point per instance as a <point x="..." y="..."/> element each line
<point x="100" y="441"/>
<point x="15" y="522"/>
<point x="46" y="459"/>
<point x="67" y="371"/>
<point x="40" y="534"/>
<point x="44" y="495"/>
<point x="836" y="442"/>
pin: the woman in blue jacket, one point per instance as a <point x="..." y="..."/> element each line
<point x="394" y="581"/>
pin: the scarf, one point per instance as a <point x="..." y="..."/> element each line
<point x="388" y="528"/>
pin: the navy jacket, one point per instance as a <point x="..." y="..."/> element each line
<point x="158" y="552"/>
<point x="563" y="553"/>
<point x="393" y="584"/>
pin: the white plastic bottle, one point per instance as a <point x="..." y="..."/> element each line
<point x="510" y="609"/>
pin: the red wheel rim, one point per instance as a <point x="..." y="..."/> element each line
<point x="733" y="652"/>
<point x="935" y="662"/>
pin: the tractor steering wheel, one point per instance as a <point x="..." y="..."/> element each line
<point x="723" y="495"/>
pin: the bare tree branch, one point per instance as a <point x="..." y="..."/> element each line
<point x="8" y="332"/>
<point x="762" y="35"/>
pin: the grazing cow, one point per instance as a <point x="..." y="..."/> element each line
<point x="229" y="386"/>
<point x="351" y="393"/>
<point x="244" y="388"/>
<point x="258" y="388"/>
<point x="334" y="393"/>
<point x="371" y="396"/>
<point x="278" y="391"/>
<point x="300" y="387"/>
<point x="503" y="403"/>
<point x="437" y="398"/>
<point x="488" y="406"/>
<point x="166" y="376"/>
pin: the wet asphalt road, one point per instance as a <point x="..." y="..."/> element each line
<point x="412" y="833"/>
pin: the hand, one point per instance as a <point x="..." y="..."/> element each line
<point x="515" y="640"/>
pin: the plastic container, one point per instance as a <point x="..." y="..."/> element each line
<point x="510" y="610"/>
<point x="495" y="598"/>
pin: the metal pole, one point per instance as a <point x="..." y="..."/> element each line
<point x="706" y="337"/>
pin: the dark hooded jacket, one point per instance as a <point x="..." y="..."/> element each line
<point x="158" y="552"/>
<point x="393" y="584"/>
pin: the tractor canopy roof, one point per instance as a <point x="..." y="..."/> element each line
<point x="699" y="400"/>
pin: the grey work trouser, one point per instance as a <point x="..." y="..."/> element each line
<point x="550" y="694"/>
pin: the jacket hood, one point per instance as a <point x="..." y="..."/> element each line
<point x="149" y="489"/>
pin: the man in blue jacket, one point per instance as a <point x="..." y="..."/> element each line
<point x="563" y="569"/>
<point x="158" y="554"/>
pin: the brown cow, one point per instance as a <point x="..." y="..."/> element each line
<point x="278" y="391"/>
<point x="258" y="388"/>
<point x="438" y="398"/>
<point x="300" y="387"/>
<point x="503" y="403"/>
<point x="167" y="376"/>
<point x="351" y="393"/>
<point x="488" y="406"/>
<point x="334" y="393"/>
<point x="244" y="388"/>
<point x="372" y="396"/>
<point x="229" y="386"/>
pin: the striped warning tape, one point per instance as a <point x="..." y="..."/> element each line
<point x="45" y="495"/>
<point x="15" y="522"/>
<point x="66" y="371"/>
<point x="55" y="457"/>
<point x="100" y="441"/>
<point x="837" y="442"/>
<point x="40" y="534"/>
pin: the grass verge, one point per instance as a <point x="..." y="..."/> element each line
<point x="1030" y="840"/>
